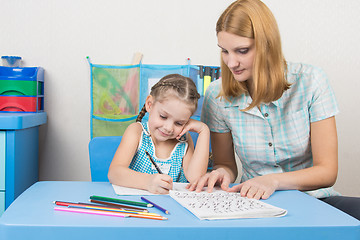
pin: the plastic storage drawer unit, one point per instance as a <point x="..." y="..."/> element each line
<point x="21" y="89"/>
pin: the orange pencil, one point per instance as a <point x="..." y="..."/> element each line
<point x="147" y="216"/>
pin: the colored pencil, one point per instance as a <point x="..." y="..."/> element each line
<point x="153" y="162"/>
<point x="126" y="208"/>
<point x="155" y="205"/>
<point x="66" y="204"/>
<point x="117" y="200"/>
<point x="128" y="214"/>
<point x="147" y="216"/>
<point x="102" y="207"/>
<point x="120" y="206"/>
<point x="84" y="209"/>
<point x="112" y="210"/>
<point x="91" y="211"/>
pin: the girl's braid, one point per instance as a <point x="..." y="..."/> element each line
<point x="141" y="114"/>
<point x="163" y="84"/>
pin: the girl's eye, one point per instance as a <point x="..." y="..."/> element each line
<point x="179" y="124"/>
<point x="162" y="117"/>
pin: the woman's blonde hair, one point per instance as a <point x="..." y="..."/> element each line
<point x="253" y="19"/>
<point x="177" y="85"/>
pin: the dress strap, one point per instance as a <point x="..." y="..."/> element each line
<point x="145" y="128"/>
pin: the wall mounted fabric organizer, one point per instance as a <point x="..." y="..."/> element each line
<point x="118" y="92"/>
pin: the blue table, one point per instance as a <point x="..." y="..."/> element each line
<point x="31" y="216"/>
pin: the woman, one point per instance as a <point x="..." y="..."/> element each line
<point x="278" y="116"/>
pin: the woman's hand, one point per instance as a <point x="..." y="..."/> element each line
<point x="258" y="187"/>
<point x="217" y="177"/>
<point x="160" y="184"/>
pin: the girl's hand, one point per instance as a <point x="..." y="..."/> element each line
<point x="160" y="184"/>
<point x="193" y="126"/>
<point x="258" y="187"/>
<point x="219" y="176"/>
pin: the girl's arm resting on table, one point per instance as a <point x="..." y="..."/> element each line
<point x="225" y="170"/>
<point x="196" y="160"/>
<point x="120" y="174"/>
<point x="323" y="173"/>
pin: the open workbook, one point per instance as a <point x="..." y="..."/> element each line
<point x="224" y="205"/>
<point x="218" y="204"/>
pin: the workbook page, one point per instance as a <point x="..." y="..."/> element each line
<point x="224" y="205"/>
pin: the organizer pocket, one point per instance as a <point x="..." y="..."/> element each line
<point x="111" y="125"/>
<point x="151" y="74"/>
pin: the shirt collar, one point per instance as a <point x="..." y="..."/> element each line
<point x="244" y="101"/>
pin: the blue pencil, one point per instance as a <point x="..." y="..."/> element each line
<point x="155" y="205"/>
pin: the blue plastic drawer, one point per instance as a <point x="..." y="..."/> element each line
<point x="24" y="73"/>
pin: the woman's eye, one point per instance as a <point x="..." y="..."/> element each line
<point x="243" y="50"/>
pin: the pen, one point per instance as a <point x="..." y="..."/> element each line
<point x="117" y="200"/>
<point x="155" y="205"/>
<point x="153" y="162"/>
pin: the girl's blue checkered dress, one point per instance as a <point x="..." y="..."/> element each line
<point x="141" y="162"/>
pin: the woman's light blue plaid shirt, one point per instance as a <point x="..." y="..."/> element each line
<point x="277" y="139"/>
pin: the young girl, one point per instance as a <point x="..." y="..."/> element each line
<point x="171" y="103"/>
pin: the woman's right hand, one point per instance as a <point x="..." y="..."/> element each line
<point x="218" y="176"/>
<point x="160" y="184"/>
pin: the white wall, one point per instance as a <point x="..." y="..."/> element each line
<point x="58" y="35"/>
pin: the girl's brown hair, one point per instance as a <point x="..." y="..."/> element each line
<point x="177" y="85"/>
<point x="253" y="19"/>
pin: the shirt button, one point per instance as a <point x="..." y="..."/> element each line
<point x="266" y="114"/>
<point x="270" y="144"/>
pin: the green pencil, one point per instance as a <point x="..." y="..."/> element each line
<point x="116" y="200"/>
